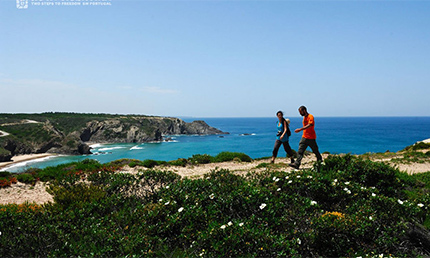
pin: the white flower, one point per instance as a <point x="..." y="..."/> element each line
<point x="223" y="226"/>
<point x="381" y="255"/>
<point x="262" y="206"/>
<point x="287" y="177"/>
<point x="298" y="176"/>
<point x="313" y="203"/>
<point x="241" y="224"/>
<point x="167" y="187"/>
<point x="160" y="200"/>
<point x="167" y="203"/>
<point x="299" y="241"/>
<point x="230" y="223"/>
<point x="212" y="196"/>
<point x="400" y="202"/>
<point x="277" y="179"/>
<point x="335" y="180"/>
<point x="181" y="209"/>
<point x="279" y="189"/>
<point x="370" y="217"/>
<point x="274" y="178"/>
<point x="420" y="205"/>
<point x="347" y="190"/>
<point x="310" y="177"/>
<point x="347" y="183"/>
<point x="373" y="194"/>
<point x="290" y="182"/>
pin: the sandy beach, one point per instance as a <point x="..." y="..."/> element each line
<point x="23" y="158"/>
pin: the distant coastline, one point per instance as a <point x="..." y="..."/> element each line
<point x="23" y="159"/>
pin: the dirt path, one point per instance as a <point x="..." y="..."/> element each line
<point x="3" y="133"/>
<point x="20" y="193"/>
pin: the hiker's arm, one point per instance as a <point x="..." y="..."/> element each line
<point x="303" y="128"/>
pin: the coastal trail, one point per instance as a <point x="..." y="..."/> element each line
<point x="20" y="193"/>
<point x="25" y="121"/>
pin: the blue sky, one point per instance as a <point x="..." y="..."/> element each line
<point x="217" y="58"/>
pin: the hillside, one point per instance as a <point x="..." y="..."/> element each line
<point x="69" y="133"/>
<point x="233" y="206"/>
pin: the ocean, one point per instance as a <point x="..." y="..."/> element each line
<point x="256" y="137"/>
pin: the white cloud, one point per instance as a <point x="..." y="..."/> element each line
<point x="36" y="95"/>
<point x="159" y="90"/>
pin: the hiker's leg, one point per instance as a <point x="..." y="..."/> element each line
<point x="301" y="151"/>
<point x="314" y="146"/>
<point x="275" y="150"/>
<point x="288" y="150"/>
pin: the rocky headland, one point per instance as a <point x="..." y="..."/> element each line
<point x="70" y="133"/>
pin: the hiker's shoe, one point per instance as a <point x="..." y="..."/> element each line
<point x="294" y="165"/>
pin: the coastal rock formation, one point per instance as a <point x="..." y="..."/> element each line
<point x="5" y="156"/>
<point x="113" y="131"/>
<point x="142" y="129"/>
<point x="68" y="133"/>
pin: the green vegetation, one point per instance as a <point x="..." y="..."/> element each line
<point x="344" y="207"/>
<point x="418" y="146"/>
<point x="195" y="159"/>
<point x="31" y="132"/>
<point x="7" y="179"/>
<point x="221" y="157"/>
<point x="4" y="152"/>
<point x="416" y="153"/>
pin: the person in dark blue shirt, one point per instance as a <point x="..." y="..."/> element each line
<point x="282" y="138"/>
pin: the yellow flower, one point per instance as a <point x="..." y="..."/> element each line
<point x="334" y="213"/>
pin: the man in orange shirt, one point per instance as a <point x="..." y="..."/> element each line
<point x="308" y="138"/>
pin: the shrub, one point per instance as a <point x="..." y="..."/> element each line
<point x="201" y="159"/>
<point x="4" y="182"/>
<point x="340" y="208"/>
<point x="229" y="156"/>
<point x="26" y="178"/>
<point x="179" y="162"/>
<point x="149" y="163"/>
<point x="418" y="146"/>
<point x="76" y="195"/>
<point x="5" y="174"/>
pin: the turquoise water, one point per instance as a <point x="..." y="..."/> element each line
<point x="256" y="137"/>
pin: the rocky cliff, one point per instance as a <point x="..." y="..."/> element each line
<point x="70" y="133"/>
